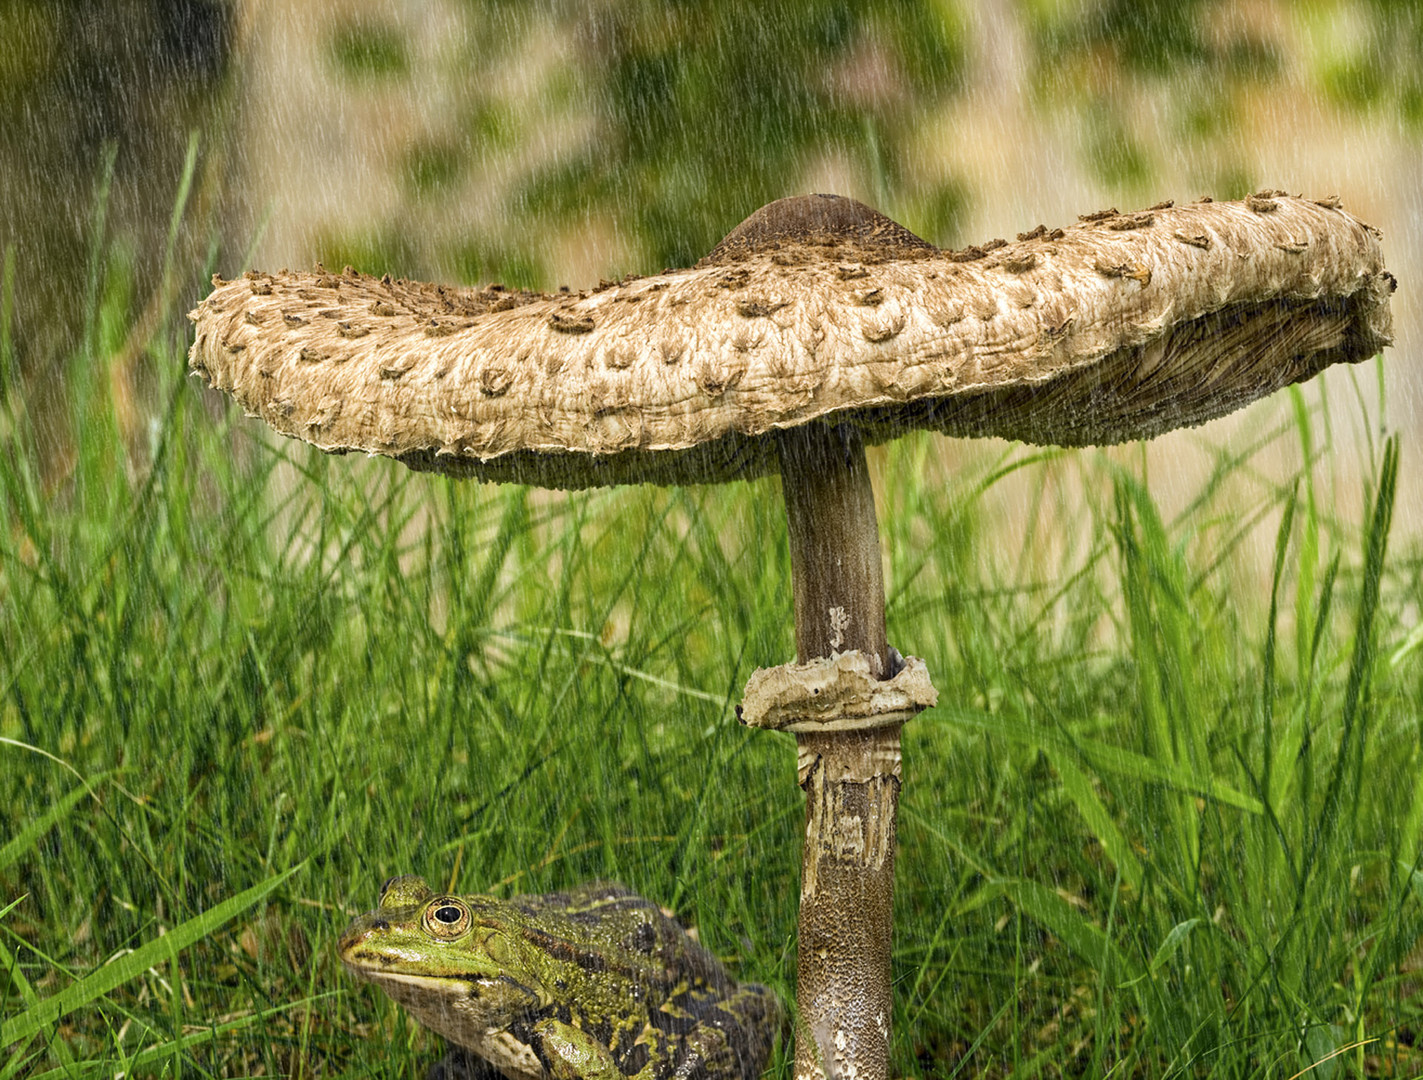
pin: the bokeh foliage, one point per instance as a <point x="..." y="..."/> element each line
<point x="688" y="115"/>
<point x="712" y="108"/>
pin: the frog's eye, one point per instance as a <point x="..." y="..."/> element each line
<point x="447" y="917"/>
<point x="386" y="888"/>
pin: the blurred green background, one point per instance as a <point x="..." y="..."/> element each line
<point x="542" y="143"/>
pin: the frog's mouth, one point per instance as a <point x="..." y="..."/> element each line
<point x="478" y="1000"/>
<point x="445" y="987"/>
<point x="435" y="999"/>
<point x="422" y="992"/>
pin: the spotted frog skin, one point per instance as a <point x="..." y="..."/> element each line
<point x="595" y="983"/>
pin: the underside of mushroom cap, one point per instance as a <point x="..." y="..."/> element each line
<point x="816" y="309"/>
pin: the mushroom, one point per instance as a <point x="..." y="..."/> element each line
<point x="815" y="327"/>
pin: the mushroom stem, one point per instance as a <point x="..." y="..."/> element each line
<point x="850" y="779"/>
<point x="835" y="557"/>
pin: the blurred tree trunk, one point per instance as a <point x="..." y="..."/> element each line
<point x="81" y="81"/>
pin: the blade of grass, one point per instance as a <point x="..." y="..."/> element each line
<point x="22" y="841"/>
<point x="1309" y="538"/>
<point x="1362" y="657"/>
<point x="1171" y="944"/>
<point x="1267" y="850"/>
<point x="9" y="380"/>
<point x="10" y="963"/>
<point x="142" y="1059"/>
<point x="1295" y="747"/>
<point x="1165" y="637"/>
<point x="180" y="204"/>
<point x="131" y="965"/>
<point x="1411" y="644"/>
<point x="1102" y="757"/>
<point x="982" y="1035"/>
<point x="98" y="231"/>
<point x="1050" y="911"/>
<point x="1079" y="789"/>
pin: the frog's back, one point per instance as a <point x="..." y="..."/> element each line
<point x="609" y="919"/>
<point x="717" y="1034"/>
<point x="694" y="1008"/>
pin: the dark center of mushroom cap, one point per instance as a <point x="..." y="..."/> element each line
<point x="819" y="221"/>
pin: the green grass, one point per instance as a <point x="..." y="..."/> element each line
<point x="1165" y="821"/>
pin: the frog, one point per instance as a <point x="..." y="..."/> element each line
<point x="595" y="982"/>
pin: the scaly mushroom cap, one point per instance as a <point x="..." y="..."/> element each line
<point x="1122" y="326"/>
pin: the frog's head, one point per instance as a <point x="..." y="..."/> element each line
<point x="439" y="956"/>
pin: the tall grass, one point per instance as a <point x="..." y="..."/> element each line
<point x="1165" y="822"/>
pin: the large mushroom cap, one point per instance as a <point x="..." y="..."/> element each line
<point x="1122" y="326"/>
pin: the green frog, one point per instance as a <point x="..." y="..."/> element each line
<point x="595" y="983"/>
